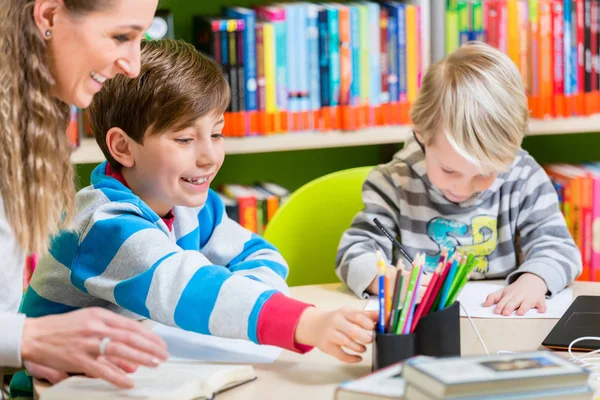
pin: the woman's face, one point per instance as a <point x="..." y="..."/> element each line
<point x="86" y="50"/>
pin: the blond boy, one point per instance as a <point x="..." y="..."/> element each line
<point x="463" y="182"/>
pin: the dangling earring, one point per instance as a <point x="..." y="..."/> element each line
<point x="48" y="33"/>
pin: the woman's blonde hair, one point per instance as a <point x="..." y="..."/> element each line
<point x="36" y="175"/>
<point x="476" y="97"/>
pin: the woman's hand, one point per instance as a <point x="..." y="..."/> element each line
<point x="71" y="343"/>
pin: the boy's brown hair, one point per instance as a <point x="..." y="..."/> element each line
<point x="176" y="86"/>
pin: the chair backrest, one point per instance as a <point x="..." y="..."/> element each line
<point x="308" y="227"/>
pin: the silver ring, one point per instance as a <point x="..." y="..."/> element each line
<point x="103" y="344"/>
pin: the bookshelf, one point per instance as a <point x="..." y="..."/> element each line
<point x="89" y="152"/>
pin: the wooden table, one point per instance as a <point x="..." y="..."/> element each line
<point x="315" y="375"/>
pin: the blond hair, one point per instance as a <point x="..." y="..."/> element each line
<point x="476" y="97"/>
<point x="176" y="86"/>
<point x="36" y="174"/>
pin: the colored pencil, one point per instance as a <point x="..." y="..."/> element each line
<point x="426" y="296"/>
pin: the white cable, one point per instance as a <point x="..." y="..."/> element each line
<point x="587" y="360"/>
<point x="475" y="328"/>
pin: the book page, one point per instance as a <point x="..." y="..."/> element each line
<point x="185" y="345"/>
<point x="169" y="381"/>
<point x="474" y="294"/>
<point x="386" y="382"/>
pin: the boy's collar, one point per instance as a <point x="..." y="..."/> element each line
<point x="168" y="219"/>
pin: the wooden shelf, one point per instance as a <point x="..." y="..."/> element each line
<point x="89" y="152"/>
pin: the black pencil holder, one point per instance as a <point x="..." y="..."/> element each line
<point x="437" y="334"/>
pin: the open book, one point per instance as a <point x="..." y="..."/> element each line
<point x="177" y="381"/>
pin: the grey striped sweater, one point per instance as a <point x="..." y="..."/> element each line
<point x="513" y="227"/>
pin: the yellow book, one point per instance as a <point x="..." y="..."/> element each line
<point x="269" y="57"/>
<point x="513" y="31"/>
<point x="412" y="54"/>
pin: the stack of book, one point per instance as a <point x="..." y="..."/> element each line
<point x="534" y="375"/>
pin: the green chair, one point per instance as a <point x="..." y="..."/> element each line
<point x="308" y="226"/>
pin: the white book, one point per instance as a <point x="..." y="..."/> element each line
<point x="170" y="381"/>
<point x="385" y="383"/>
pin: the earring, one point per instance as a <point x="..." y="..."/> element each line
<point x="48" y="33"/>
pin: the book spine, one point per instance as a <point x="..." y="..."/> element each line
<point x="292" y="60"/>
<point x="580" y="24"/>
<point x="594" y="58"/>
<point x="363" y="15"/>
<point x="261" y="91"/>
<point x="345" y="55"/>
<point x="401" y="52"/>
<point x="313" y="57"/>
<point x="463" y="22"/>
<point x="373" y="10"/>
<point x="324" y="57"/>
<point x="587" y="187"/>
<point x="452" y="27"/>
<point x="524" y="40"/>
<point x="411" y="54"/>
<point x="281" y="65"/>
<point x="595" y="244"/>
<point x="334" y="56"/>
<point x="513" y="30"/>
<point x="232" y="49"/>
<point x="269" y="58"/>
<point x="477" y="21"/>
<point x="567" y="45"/>
<point x="243" y="128"/>
<point x="587" y="45"/>
<point x="374" y="49"/>
<point x="493" y="26"/>
<point x="355" y="52"/>
<point x="534" y="65"/>
<point x="558" y="80"/>
<point x="393" y="60"/>
<point x="383" y="55"/>
<point x="546" y="59"/>
<point x="303" y="63"/>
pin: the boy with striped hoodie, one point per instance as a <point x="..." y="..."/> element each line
<point x="152" y="240"/>
<point x="463" y="182"/>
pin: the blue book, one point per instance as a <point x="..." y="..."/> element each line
<point x="567" y="48"/>
<point x="355" y="51"/>
<point x="303" y="60"/>
<point x="324" y="57"/>
<point x="374" y="55"/>
<point x="573" y="51"/>
<point x="393" y="60"/>
<point x="293" y="70"/>
<point x="312" y="34"/>
<point x="250" y="86"/>
<point x="402" y="57"/>
<point x="333" y="26"/>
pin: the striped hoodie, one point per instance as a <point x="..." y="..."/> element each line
<point x="513" y="227"/>
<point x="197" y="270"/>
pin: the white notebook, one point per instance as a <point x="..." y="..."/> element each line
<point x="176" y="381"/>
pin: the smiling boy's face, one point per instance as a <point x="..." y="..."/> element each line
<point x="457" y="178"/>
<point x="175" y="168"/>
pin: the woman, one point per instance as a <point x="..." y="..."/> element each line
<point x="55" y="53"/>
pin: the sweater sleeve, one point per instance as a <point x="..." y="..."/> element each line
<point x="10" y="339"/>
<point x="547" y="246"/>
<point x="357" y="253"/>
<point x="241" y="251"/>
<point x="139" y="268"/>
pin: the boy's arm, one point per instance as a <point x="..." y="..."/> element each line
<point x="139" y="268"/>
<point x="548" y="248"/>
<point x="241" y="251"/>
<point x="356" y="261"/>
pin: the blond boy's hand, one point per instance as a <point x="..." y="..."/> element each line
<point x="337" y="332"/>
<point x="527" y="292"/>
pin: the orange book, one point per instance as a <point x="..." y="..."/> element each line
<point x="534" y="64"/>
<point x="247" y="202"/>
<point x="513" y="46"/>
<point x="546" y="59"/>
<point x="412" y="56"/>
